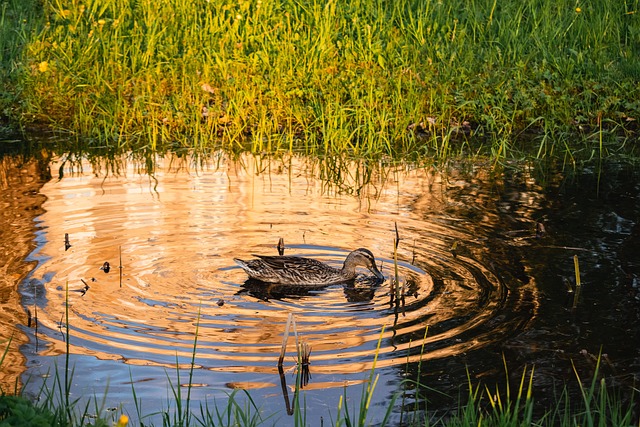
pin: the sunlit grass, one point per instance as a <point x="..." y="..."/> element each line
<point x="598" y="405"/>
<point x="483" y="405"/>
<point x="366" y="77"/>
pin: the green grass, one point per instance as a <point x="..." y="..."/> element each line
<point x="501" y="78"/>
<point x="599" y="404"/>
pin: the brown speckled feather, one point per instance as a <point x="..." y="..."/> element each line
<point x="293" y="270"/>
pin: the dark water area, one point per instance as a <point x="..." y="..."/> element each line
<point x="594" y="216"/>
<point x="485" y="273"/>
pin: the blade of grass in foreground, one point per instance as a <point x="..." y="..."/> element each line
<point x="182" y="415"/>
<point x="365" y="399"/>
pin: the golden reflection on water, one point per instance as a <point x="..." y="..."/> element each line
<point x="175" y="235"/>
<point x="20" y="203"/>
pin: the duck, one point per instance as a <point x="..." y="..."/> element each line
<point x="295" y="270"/>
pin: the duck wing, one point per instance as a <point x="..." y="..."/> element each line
<point x="290" y="262"/>
<point x="296" y="270"/>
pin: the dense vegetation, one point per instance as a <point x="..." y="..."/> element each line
<point x="486" y="406"/>
<point x="366" y="77"/>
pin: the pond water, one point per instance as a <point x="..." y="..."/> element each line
<point x="484" y="262"/>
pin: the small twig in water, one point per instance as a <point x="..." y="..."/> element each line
<point x="85" y="289"/>
<point x="395" y="263"/>
<point x="413" y="257"/>
<point x="285" y="339"/>
<point x="576" y="267"/>
<point x="304" y="353"/>
<point x="120" y="266"/>
<point x="454" y="248"/>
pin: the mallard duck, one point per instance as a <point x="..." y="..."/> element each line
<point x="293" y="270"/>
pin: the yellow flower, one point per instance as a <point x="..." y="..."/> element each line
<point x="65" y="13"/>
<point x="101" y="22"/>
<point x="123" y="421"/>
<point x="43" y="66"/>
<point x="578" y="10"/>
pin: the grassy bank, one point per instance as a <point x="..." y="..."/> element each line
<point x="367" y="77"/>
<point x="59" y="404"/>
<point x="598" y="406"/>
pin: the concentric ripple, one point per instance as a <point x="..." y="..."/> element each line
<point x="175" y="237"/>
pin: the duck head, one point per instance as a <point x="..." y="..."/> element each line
<point x="362" y="257"/>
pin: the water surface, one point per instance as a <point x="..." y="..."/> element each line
<point x="477" y="279"/>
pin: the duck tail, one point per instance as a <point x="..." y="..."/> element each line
<point x="241" y="263"/>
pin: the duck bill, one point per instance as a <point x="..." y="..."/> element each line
<point x="376" y="272"/>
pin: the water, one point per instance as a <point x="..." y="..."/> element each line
<point x="478" y="281"/>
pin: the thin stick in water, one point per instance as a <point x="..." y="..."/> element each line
<point x="576" y="266"/>
<point x="120" y="266"/>
<point x="413" y="258"/>
<point x="285" y="339"/>
<point x="395" y="263"/>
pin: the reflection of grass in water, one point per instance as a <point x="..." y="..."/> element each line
<point x="366" y="77"/>
<point x="338" y="174"/>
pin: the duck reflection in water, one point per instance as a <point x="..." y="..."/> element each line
<point x="361" y="289"/>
